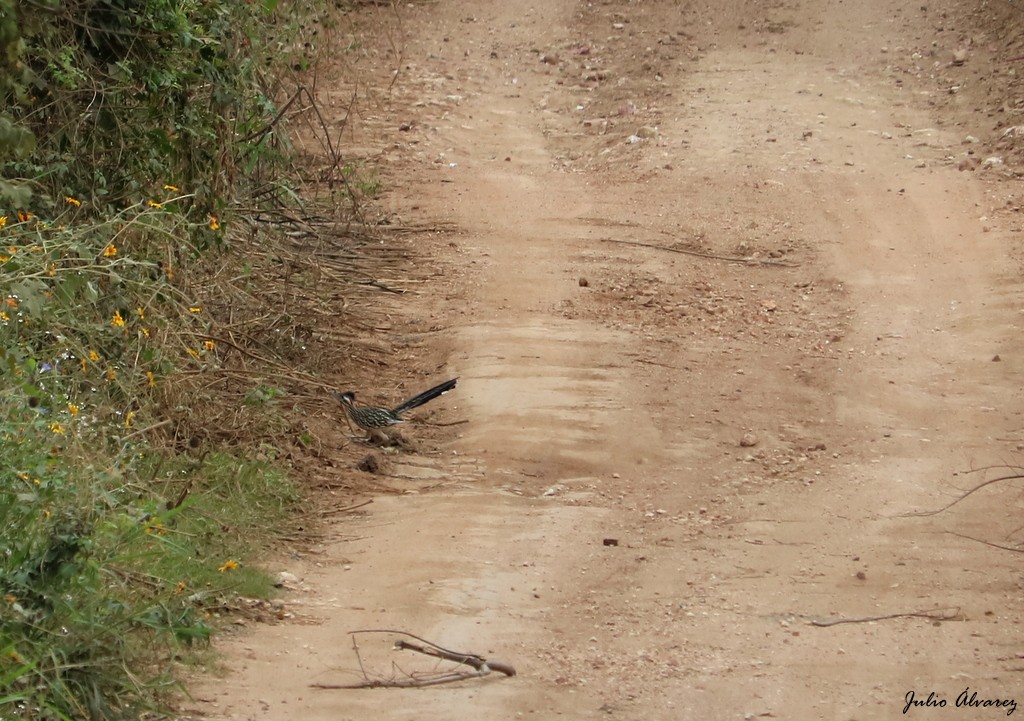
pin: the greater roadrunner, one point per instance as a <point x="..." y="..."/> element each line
<point x="373" y="420"/>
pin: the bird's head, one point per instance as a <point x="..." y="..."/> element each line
<point x="345" y="398"/>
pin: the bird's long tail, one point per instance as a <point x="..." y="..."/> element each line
<point x="424" y="397"/>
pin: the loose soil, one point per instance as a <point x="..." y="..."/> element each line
<point x="731" y="296"/>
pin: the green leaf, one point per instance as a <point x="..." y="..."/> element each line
<point x="69" y="288"/>
<point x="14" y="195"/>
<point x="31" y="390"/>
<point x="30" y="293"/>
<point x="15" y="141"/>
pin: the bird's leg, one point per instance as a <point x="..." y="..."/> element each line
<point x="349" y="422"/>
<point x="378" y="436"/>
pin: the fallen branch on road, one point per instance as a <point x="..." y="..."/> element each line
<point x="345" y="509"/>
<point x="1015" y="476"/>
<point x="937" y="614"/>
<point x="480" y="665"/>
<point x="701" y="254"/>
<point x="987" y="543"/>
<point x="446" y="423"/>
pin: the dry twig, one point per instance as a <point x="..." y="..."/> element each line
<point x="346" y="509"/>
<point x="1014" y="476"/>
<point x="987" y="543"/>
<point x="701" y="254"/>
<point x="936" y="614"/>
<point x="480" y="665"/>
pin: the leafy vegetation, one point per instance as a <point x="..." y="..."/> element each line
<point x="108" y="100"/>
<point x="131" y="134"/>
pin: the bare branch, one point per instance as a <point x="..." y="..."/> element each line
<point x="987" y="543"/>
<point x="949" y="505"/>
<point x="480" y="665"/>
<point x="938" y="614"/>
<point x="700" y="254"/>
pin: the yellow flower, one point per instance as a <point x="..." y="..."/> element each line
<point x="150" y="379"/>
<point x="12" y="249"/>
<point x="214" y="222"/>
<point x="180" y="587"/>
<point x="209" y="344"/>
<point x="229" y="565"/>
<point x="94" y="356"/>
<point x="47" y="513"/>
<point x="128" y="418"/>
<point x="195" y="309"/>
<point x="10" y="598"/>
<point x="142" y="313"/>
<point x="192" y="352"/>
<point x="172" y="188"/>
<point x="57" y="428"/>
<point x="154" y="204"/>
<point x="4" y="317"/>
<point x="3" y="221"/>
<point x="110" y="251"/>
<point x="72" y="201"/>
<point x="72" y="409"/>
<point x="111" y="374"/>
<point x="145" y="332"/>
<point x="22" y="475"/>
<point x="51" y="269"/>
<point x="117" y="320"/>
<point x="4" y="258"/>
<point x="81" y="362"/>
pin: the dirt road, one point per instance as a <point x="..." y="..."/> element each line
<point x="717" y="292"/>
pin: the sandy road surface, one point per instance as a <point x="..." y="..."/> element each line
<point x="750" y="432"/>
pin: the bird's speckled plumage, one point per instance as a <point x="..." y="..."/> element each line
<point x="372" y="419"/>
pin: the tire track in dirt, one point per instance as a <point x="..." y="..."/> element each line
<point x="805" y="558"/>
<point x="543" y="391"/>
<point x="927" y="309"/>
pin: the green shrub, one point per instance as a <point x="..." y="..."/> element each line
<point x="122" y="97"/>
<point x="128" y="132"/>
<point x="111" y="564"/>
